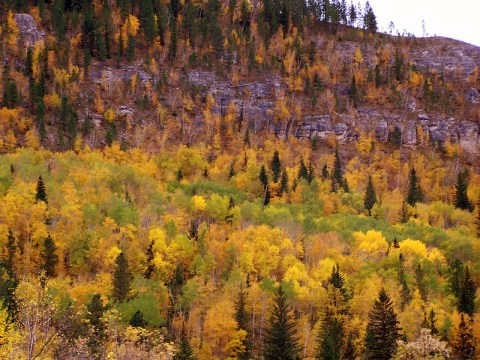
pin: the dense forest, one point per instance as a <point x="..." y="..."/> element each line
<point x="144" y="215"/>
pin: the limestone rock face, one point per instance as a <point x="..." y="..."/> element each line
<point x="468" y="136"/>
<point x="28" y="29"/>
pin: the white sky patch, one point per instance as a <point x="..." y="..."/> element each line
<point x="458" y="19"/>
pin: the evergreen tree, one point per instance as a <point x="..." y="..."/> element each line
<point x="267" y="197"/>
<point x="468" y="290"/>
<point x="185" y="351"/>
<point x="29" y="63"/>
<point x="349" y="353"/>
<point x="58" y="18"/>
<point x="332" y="339"/>
<point x="280" y="342"/>
<point x="276" y="166"/>
<point x="303" y="171"/>
<point x="369" y="19"/>
<point x="325" y="174"/>
<point x="382" y="329"/>
<point x="461" y="198"/>
<point x="95" y="311"/>
<point x="138" y="320"/>
<point x="283" y="184"/>
<point x="150" y="265"/>
<point x="338" y="281"/>
<point x="370" y="198"/>
<point x="464" y="344"/>
<point x="172" y="47"/>
<point x="130" y="48"/>
<point x="398" y="64"/>
<point x="415" y="192"/>
<point x="147" y="20"/>
<point x="405" y="294"/>
<point x="11" y="96"/>
<point x="231" y="172"/>
<point x="48" y="257"/>
<point x="121" y="278"/>
<point x="421" y="284"/>
<point x="354" y="94"/>
<point x="404" y="214"/>
<point x="242" y="317"/>
<point x="456" y="277"/>
<point x="8" y="278"/>
<point x="397" y="136"/>
<point x="41" y="192"/>
<point x="263" y="177"/>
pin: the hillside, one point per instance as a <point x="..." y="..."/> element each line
<point x="235" y="180"/>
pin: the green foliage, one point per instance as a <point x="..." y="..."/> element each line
<point x="370" y="198"/>
<point x="464" y="344"/>
<point x="242" y="317"/>
<point x="41" y="192"/>
<point x="49" y="258"/>
<point x="185" y="351"/>
<point x="467" y="294"/>
<point x="415" y="192"/>
<point x="122" y="279"/>
<point x="276" y="166"/>
<point x="138" y="320"/>
<point x="461" y="198"/>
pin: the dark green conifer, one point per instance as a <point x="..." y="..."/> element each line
<point x="95" y="311"/>
<point x="405" y="294"/>
<point x="456" y="276"/>
<point x="415" y="192"/>
<point x="283" y="184"/>
<point x="138" y="320"/>
<point x="468" y="290"/>
<point x="303" y="171"/>
<point x="122" y="279"/>
<point x="332" y="339"/>
<point x="464" y="344"/>
<point x="48" y="257"/>
<point x="280" y="342"/>
<point x="404" y="214"/>
<point x="276" y="166"/>
<point x="325" y="173"/>
<point x="185" y="351"/>
<point x="150" y="265"/>
<point x="421" y="283"/>
<point x="242" y="318"/>
<point x="354" y="94"/>
<point x="397" y="136"/>
<point x="370" y="198"/>
<point x="41" y="192"/>
<point x="461" y="198"/>
<point x="382" y="330"/>
<point x="263" y="177"/>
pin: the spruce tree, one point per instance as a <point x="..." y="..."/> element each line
<point x="369" y="20"/>
<point x="404" y="213"/>
<point x="138" y="320"/>
<point x="48" y="257"/>
<point x="337" y="174"/>
<point x="8" y="278"/>
<point x="405" y="294"/>
<point x="461" y="198"/>
<point x="150" y="265"/>
<point x="122" y="278"/>
<point x="332" y="339"/>
<point x="41" y="192"/>
<point x="303" y="171"/>
<point x="325" y="174"/>
<point x="242" y="317"/>
<point x="280" y="342"/>
<point x="263" y="177"/>
<point x="468" y="290"/>
<point x="421" y="284"/>
<point x="185" y="351"/>
<point x="95" y="311"/>
<point x="456" y="277"/>
<point x="370" y="196"/>
<point x="415" y="192"/>
<point x="464" y="344"/>
<point x="276" y="166"/>
<point x="382" y="330"/>
<point x="354" y="94"/>
<point x="283" y="184"/>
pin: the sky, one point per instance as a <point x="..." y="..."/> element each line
<point x="457" y="19"/>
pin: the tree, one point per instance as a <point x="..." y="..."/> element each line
<point x="456" y="278"/>
<point x="477" y="222"/>
<point x="121" y="278"/>
<point x="48" y="257"/>
<point x="185" y="351"/>
<point x="382" y="329"/>
<point x="242" y="317"/>
<point x="11" y="95"/>
<point x="8" y="277"/>
<point x="354" y="94"/>
<point x="283" y="184"/>
<point x="41" y="192"/>
<point x="332" y="339"/>
<point x="461" y="198"/>
<point x="58" y="18"/>
<point x="405" y="294"/>
<point x="303" y="171"/>
<point x="415" y="192"/>
<point x="464" y="343"/>
<point x="370" y="198"/>
<point x="468" y="290"/>
<point x="421" y="284"/>
<point x="263" y="177"/>
<point x="150" y="265"/>
<point x="397" y="136"/>
<point x="276" y="166"/>
<point x="138" y="320"/>
<point x="280" y="342"/>
<point x="95" y="311"/>
<point x="369" y="19"/>
<point x="404" y="214"/>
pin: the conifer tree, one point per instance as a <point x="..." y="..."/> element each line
<point x="404" y="214"/>
<point x="382" y="329"/>
<point x="332" y="339"/>
<point x="283" y="184"/>
<point x="405" y="294"/>
<point x="138" y="320"/>
<point x="369" y="20"/>
<point x="337" y="173"/>
<point x="354" y="95"/>
<point x="41" y="192"/>
<point x="415" y="192"/>
<point x="325" y="174"/>
<point x="8" y="278"/>
<point x="242" y="317"/>
<point x="267" y="197"/>
<point x="370" y="196"/>
<point x="122" y="278"/>
<point x="464" y="344"/>
<point x="263" y="177"/>
<point x="421" y="284"/>
<point x="397" y="136"/>
<point x="48" y="257"/>
<point x="280" y="342"/>
<point x="468" y="290"/>
<point x="185" y="351"/>
<point x="276" y="166"/>
<point x="461" y="198"/>
<point x="303" y="171"/>
<point x="130" y="48"/>
<point x="58" y="18"/>
<point x="95" y="311"/>
<point x="150" y="265"/>
<point x="338" y="281"/>
<point x="350" y="353"/>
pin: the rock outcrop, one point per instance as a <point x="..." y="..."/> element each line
<point x="27" y="26"/>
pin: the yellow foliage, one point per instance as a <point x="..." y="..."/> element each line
<point x="109" y="115"/>
<point x="199" y="203"/>
<point x="372" y="242"/>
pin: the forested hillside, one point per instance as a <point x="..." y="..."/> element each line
<point x="235" y="180"/>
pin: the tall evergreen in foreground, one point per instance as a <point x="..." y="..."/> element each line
<point x="464" y="344"/>
<point x="242" y="317"/>
<point x="41" y="192"/>
<point x="185" y="351"/>
<point x="415" y="192"/>
<point x="370" y="196"/>
<point x="332" y="339"/>
<point x="467" y="293"/>
<point x="382" y="330"/>
<point x="280" y="342"/>
<point x="461" y="198"/>
<point x="122" y="278"/>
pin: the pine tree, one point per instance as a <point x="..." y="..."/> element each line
<point x="263" y="177"/>
<point x="8" y="278"/>
<point x="280" y="342"/>
<point x="337" y="174"/>
<point x="354" y="95"/>
<point x="138" y="320"/>
<point x="41" y="192"/>
<point x="382" y="329"/>
<point x="242" y="317"/>
<point x="369" y="20"/>
<point x="332" y="339"/>
<point x="456" y="277"/>
<point x="464" y="344"/>
<point x="405" y="294"/>
<point x="461" y="198"/>
<point x="58" y="18"/>
<point x="130" y="48"/>
<point x="370" y="198"/>
<point x="267" y="197"/>
<point x="421" y="284"/>
<point x="150" y="265"/>
<point x="404" y="214"/>
<point x="338" y="281"/>
<point x="303" y="171"/>
<point x="231" y="172"/>
<point x="185" y="351"/>
<point x="283" y="184"/>
<point x="415" y="193"/>
<point x="276" y="166"/>
<point x="29" y="63"/>
<point x="121" y="278"/>
<point x="325" y="174"/>
<point x="48" y="257"/>
<point x="95" y="311"/>
<point x="468" y="290"/>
